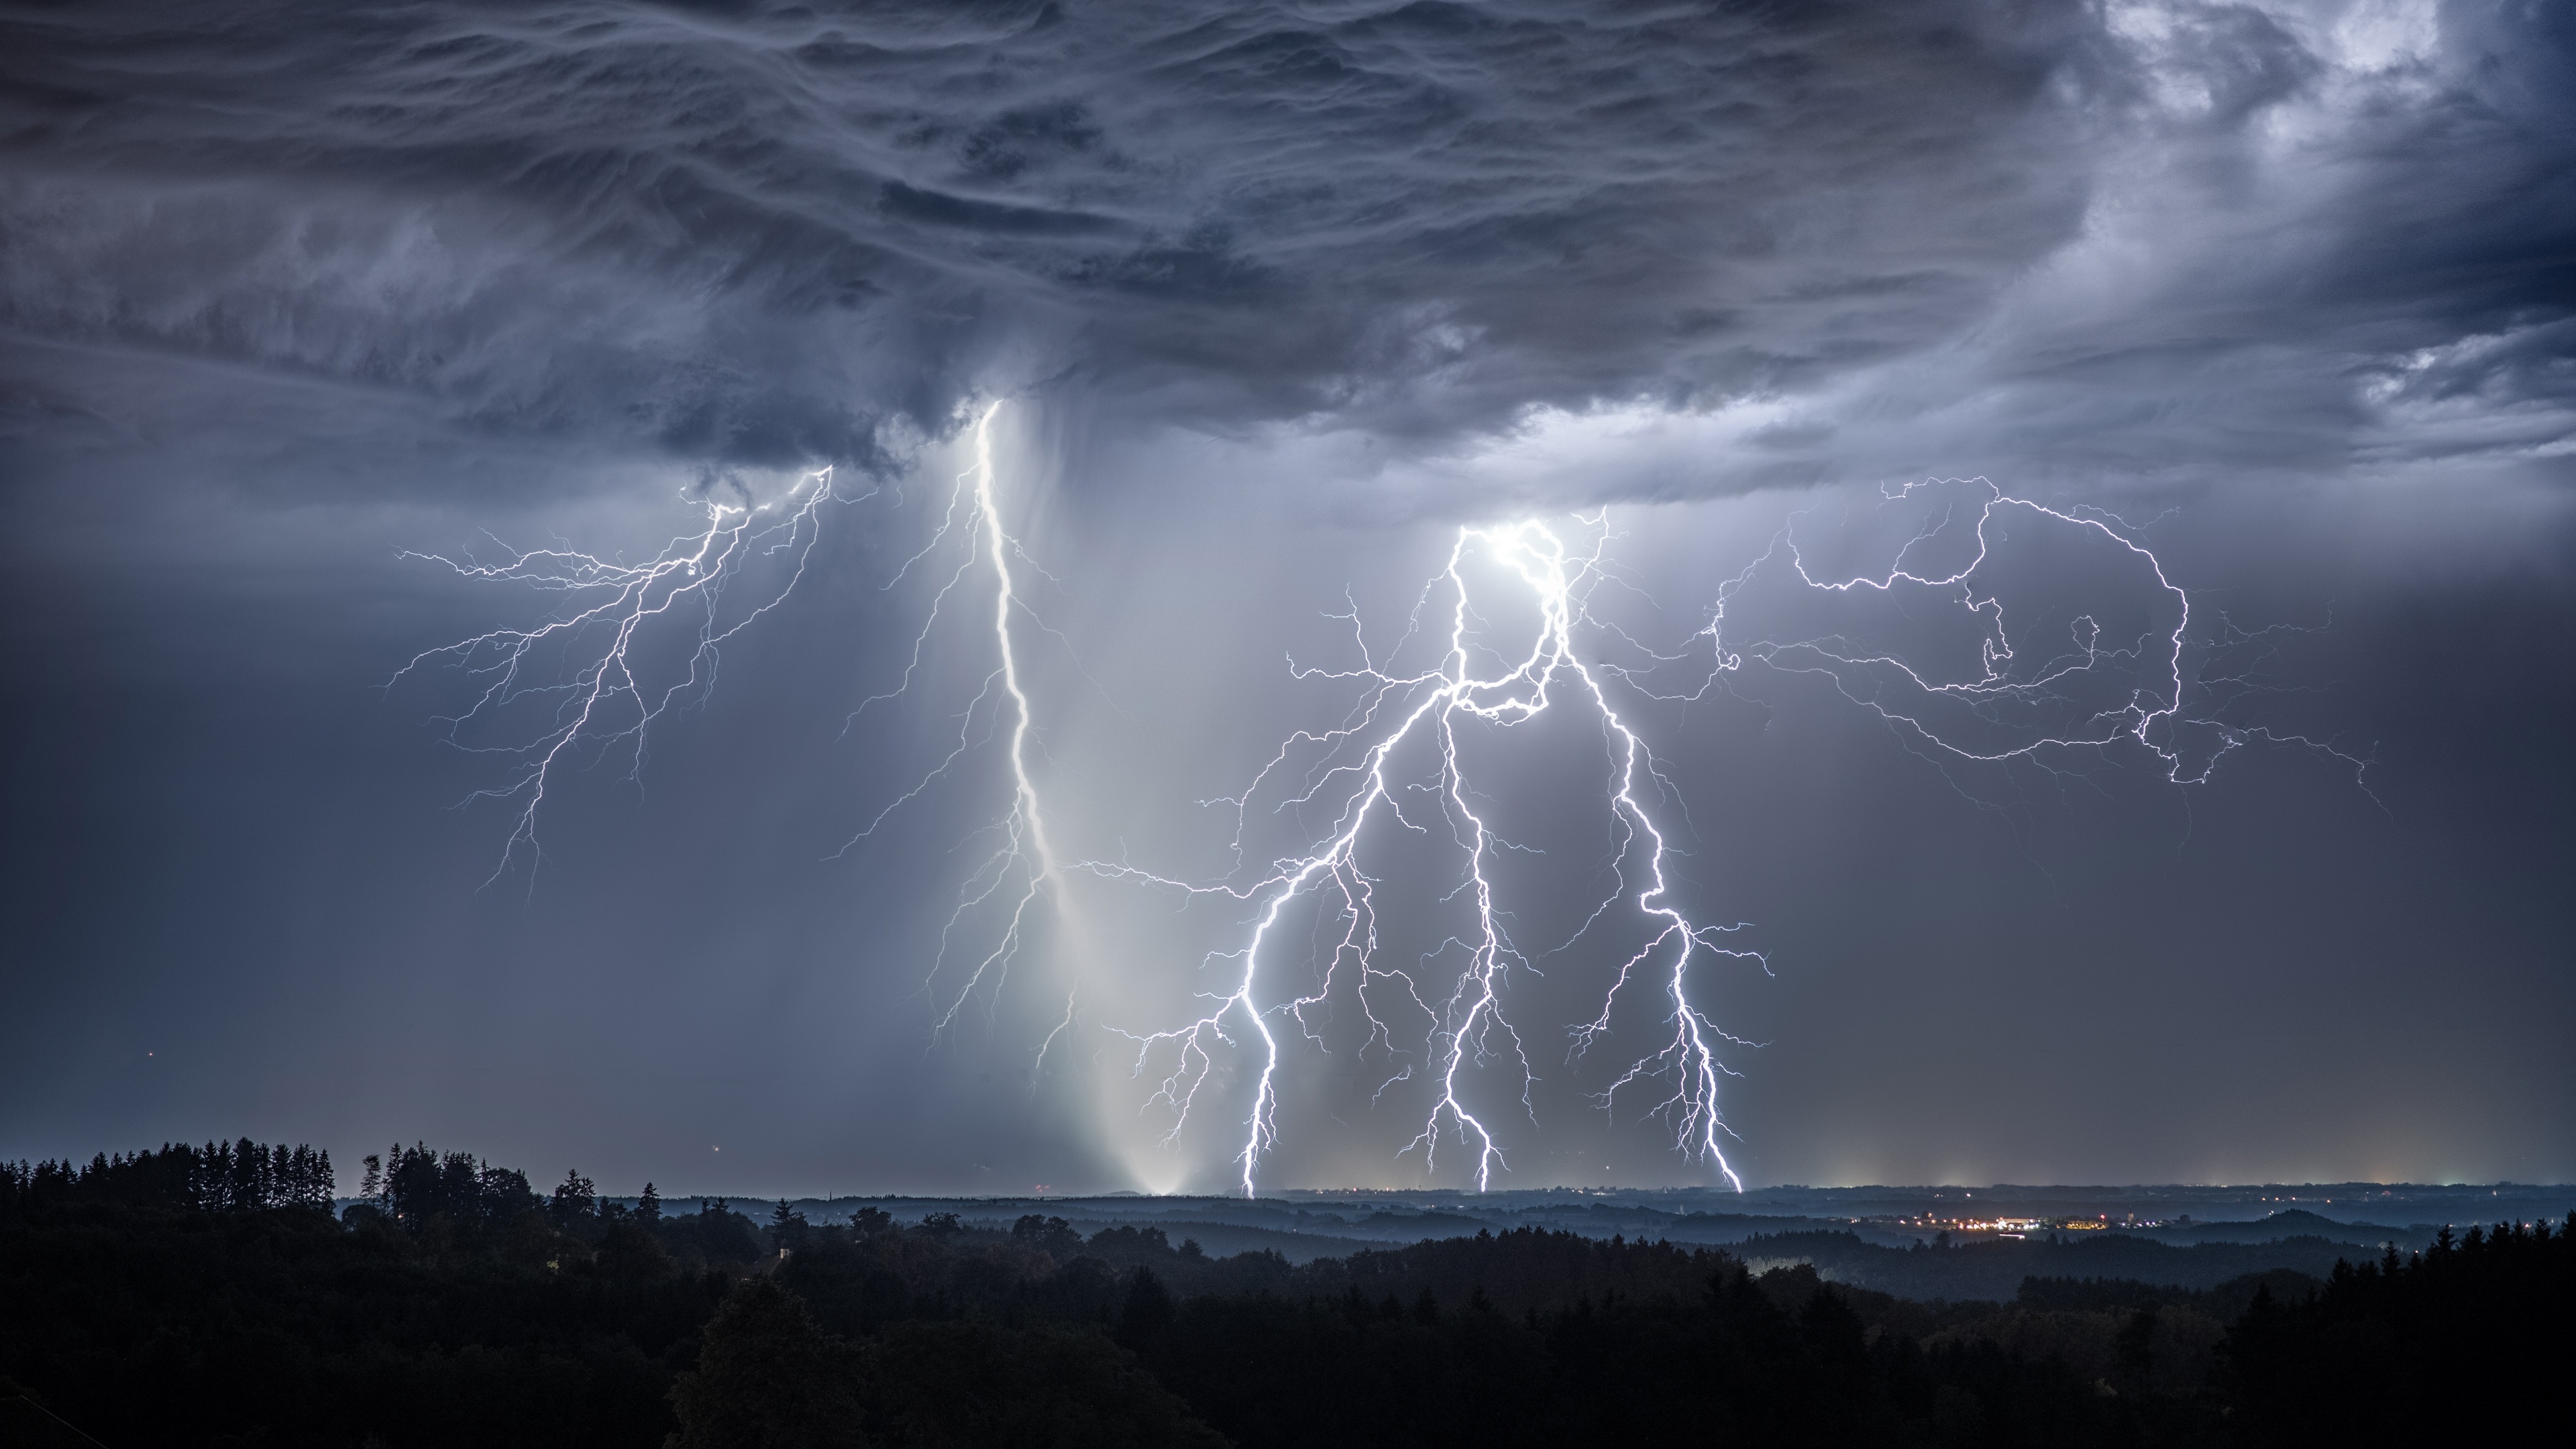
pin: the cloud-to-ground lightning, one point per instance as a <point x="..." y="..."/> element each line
<point x="2090" y="696"/>
<point x="2129" y="674"/>
<point x="1022" y="865"/>
<point x="584" y="673"/>
<point x="1470" y="1024"/>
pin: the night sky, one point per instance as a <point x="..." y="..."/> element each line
<point x="1275" y="298"/>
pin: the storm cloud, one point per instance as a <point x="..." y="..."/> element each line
<point x="777" y="234"/>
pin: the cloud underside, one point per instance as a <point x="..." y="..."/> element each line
<point x="2295" y="236"/>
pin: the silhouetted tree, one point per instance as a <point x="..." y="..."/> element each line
<point x="976" y="1386"/>
<point x="1147" y="1311"/>
<point x="1052" y="1236"/>
<point x="787" y="1227"/>
<point x="232" y="1177"/>
<point x="182" y="1296"/>
<point x="574" y="1203"/>
<point x="767" y="1378"/>
<point x="2451" y="1346"/>
<point x="629" y="1252"/>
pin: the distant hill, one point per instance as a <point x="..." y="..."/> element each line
<point x="1414" y="1227"/>
<point x="2287" y="1223"/>
<point x="1224" y="1240"/>
<point x="1994" y="1270"/>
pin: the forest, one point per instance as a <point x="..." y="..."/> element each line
<point x="219" y="1296"/>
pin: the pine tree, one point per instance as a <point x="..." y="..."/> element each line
<point x="577" y="1201"/>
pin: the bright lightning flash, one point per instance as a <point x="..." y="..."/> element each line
<point x="1470" y="1026"/>
<point x="597" y="676"/>
<point x="593" y="677"/>
<point x="640" y="638"/>
<point x="1021" y="867"/>
<point x="2160" y="692"/>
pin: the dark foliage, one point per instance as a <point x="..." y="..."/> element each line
<point x="975" y="1386"/>
<point x="1728" y="1363"/>
<point x="218" y="1177"/>
<point x="1519" y="1270"/>
<point x="1994" y="1268"/>
<point x="2115" y="1295"/>
<point x="770" y="1377"/>
<point x="201" y="1296"/>
<point x="2452" y="1345"/>
<point x="715" y="1233"/>
<point x="181" y="1298"/>
<point x="146" y="1326"/>
<point x="421" y="1185"/>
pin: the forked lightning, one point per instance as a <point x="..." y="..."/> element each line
<point x="580" y="673"/>
<point x="1392" y="765"/>
<point x="1470" y="1025"/>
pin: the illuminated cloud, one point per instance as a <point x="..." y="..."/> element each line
<point x="768" y="235"/>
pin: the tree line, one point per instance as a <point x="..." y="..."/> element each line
<point x="2446" y="1345"/>
<point x="455" y="1303"/>
<point x="220" y="1177"/>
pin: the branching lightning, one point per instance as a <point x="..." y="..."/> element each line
<point x="590" y="682"/>
<point x="1468" y="1012"/>
<point x="583" y="674"/>
<point x="2090" y="696"/>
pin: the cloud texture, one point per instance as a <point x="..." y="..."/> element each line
<point x="774" y="234"/>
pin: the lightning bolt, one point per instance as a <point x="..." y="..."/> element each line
<point x="1470" y="1026"/>
<point x="1022" y="866"/>
<point x="580" y="685"/>
<point x="590" y="682"/>
<point x="583" y="685"/>
<point x="2089" y="696"/>
<point x="2076" y="700"/>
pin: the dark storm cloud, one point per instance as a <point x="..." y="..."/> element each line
<point x="2316" y="237"/>
<point x="2329" y="251"/>
<point x="761" y="233"/>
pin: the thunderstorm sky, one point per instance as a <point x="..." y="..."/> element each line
<point x="1275" y="298"/>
